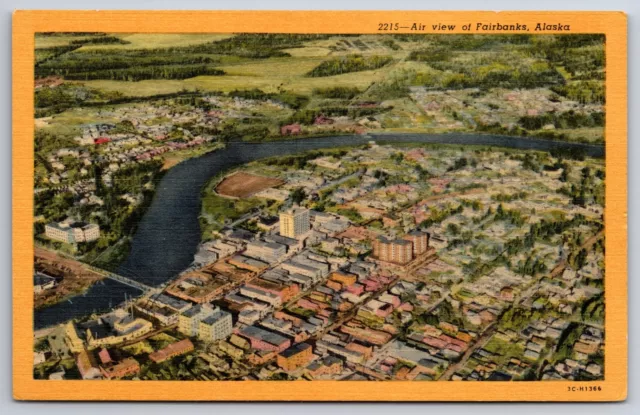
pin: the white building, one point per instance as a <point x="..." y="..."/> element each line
<point x="70" y="231"/>
<point x="266" y="251"/>
<point x="294" y="222"/>
<point x="217" y="326"/>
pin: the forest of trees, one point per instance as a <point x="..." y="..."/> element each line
<point x="521" y="61"/>
<point x="91" y="61"/>
<point x="349" y="63"/>
<point x="567" y="119"/>
<point x="338" y="92"/>
<point x="252" y="45"/>
<point x="148" y="72"/>
<point x="584" y="92"/>
<point x="294" y="101"/>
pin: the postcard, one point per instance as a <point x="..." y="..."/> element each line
<point x="319" y="206"/>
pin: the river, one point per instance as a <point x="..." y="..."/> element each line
<point x="169" y="233"/>
<point x="99" y="298"/>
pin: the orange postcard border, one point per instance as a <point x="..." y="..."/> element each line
<point x="26" y="23"/>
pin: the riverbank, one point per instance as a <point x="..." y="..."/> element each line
<point x="73" y="278"/>
<point x="176" y="157"/>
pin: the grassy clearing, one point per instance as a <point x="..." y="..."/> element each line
<point x="76" y="116"/>
<point x="218" y="210"/>
<point x="308" y="51"/>
<point x="506" y="350"/>
<point x="142" y="347"/>
<point x="274" y="67"/>
<point x="61" y="40"/>
<point x="229" y="83"/>
<point x="160" y="40"/>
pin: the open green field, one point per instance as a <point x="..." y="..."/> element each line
<point x="159" y="40"/>
<point x="248" y="80"/>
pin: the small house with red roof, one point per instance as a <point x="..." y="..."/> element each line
<point x="101" y="140"/>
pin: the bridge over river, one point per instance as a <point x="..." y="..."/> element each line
<point x="130" y="282"/>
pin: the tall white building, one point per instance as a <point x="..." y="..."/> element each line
<point x="189" y="320"/>
<point x="294" y="222"/>
<point x="217" y="326"/>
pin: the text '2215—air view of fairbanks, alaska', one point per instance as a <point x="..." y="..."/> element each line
<point x="319" y="207"/>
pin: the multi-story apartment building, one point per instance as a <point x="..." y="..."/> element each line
<point x="399" y="251"/>
<point x="217" y="326"/>
<point x="420" y="241"/>
<point x="189" y="320"/>
<point x="294" y="222"/>
<point x="72" y="232"/>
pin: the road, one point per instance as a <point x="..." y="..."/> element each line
<point x="341" y="180"/>
<point x="243" y="218"/>
<point x="562" y="265"/>
<point x="482" y="340"/>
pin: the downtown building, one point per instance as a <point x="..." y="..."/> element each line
<point x="217" y="326"/>
<point x="189" y="320"/>
<point x="294" y="222"/>
<point x="268" y="252"/>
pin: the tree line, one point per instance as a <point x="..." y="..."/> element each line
<point x="150" y="72"/>
<point x="349" y="63"/>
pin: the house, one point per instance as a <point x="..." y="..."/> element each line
<point x="531" y="355"/>
<point x="42" y="282"/>
<point x="291" y="129"/>
<point x="101" y="140"/>
<point x="105" y="357"/>
<point x="87" y="365"/>
<point x="322" y="120"/>
<point x="507" y="294"/>
<point x="127" y="367"/>
<point x="172" y="350"/>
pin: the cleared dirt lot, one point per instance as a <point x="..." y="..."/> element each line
<point x="243" y="185"/>
<point x="73" y="277"/>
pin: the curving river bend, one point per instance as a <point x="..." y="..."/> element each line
<point x="169" y="233"/>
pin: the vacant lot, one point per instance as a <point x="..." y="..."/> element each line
<point x="243" y="185"/>
<point x="74" y="277"/>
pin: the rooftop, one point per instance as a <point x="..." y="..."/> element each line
<point x="215" y="317"/>
<point x="294" y="350"/>
<point x="264" y="335"/>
